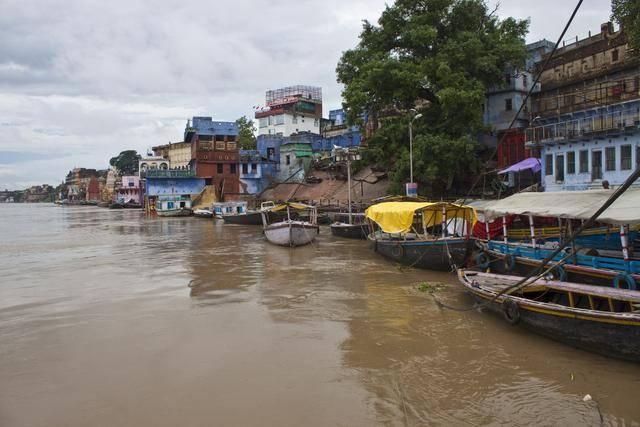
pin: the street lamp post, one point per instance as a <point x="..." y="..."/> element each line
<point x="417" y="116"/>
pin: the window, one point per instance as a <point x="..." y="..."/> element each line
<point x="279" y="119"/>
<point x="270" y="120"/>
<point x="524" y="80"/>
<point x="271" y="152"/>
<point x="231" y="145"/>
<point x="548" y="164"/>
<point x="614" y="55"/>
<point x="254" y="168"/>
<point x="560" y="168"/>
<point x="231" y="138"/>
<point x="262" y="122"/>
<point x="294" y="120"/>
<point x="610" y="158"/>
<point x="571" y="162"/>
<point x="507" y="79"/>
<point x="584" y="161"/>
<point x="245" y="168"/>
<point x="287" y="159"/>
<point x="220" y="170"/>
<point x="508" y="104"/>
<point x="596" y="165"/>
<point x="625" y="157"/>
<point x="233" y="168"/>
<point x="315" y="122"/>
<point x="219" y="137"/>
<point x="220" y="145"/>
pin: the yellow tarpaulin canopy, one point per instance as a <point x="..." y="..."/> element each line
<point x="397" y="217"/>
<point x="299" y="206"/>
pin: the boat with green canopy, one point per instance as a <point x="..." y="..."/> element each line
<point x="430" y="235"/>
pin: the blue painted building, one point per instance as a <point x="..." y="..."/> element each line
<point x="170" y="182"/>
<point x="256" y="172"/>
<point x="585" y="122"/>
<point x="581" y="150"/>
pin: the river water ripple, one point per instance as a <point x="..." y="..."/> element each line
<point x="111" y="318"/>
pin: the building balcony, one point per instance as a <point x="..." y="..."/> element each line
<point x="602" y="124"/>
<point x="170" y="173"/>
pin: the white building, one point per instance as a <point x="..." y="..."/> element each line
<point x="291" y="110"/>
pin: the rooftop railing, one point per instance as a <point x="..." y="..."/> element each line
<point x="583" y="127"/>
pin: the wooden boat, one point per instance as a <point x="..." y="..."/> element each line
<point x="357" y="228"/>
<point x="594" y="318"/>
<point x="584" y="265"/>
<point x="290" y="232"/>
<point x="173" y="206"/>
<point x="116" y="205"/>
<point x="229" y="208"/>
<point x="430" y="235"/>
<point x="247" y="217"/>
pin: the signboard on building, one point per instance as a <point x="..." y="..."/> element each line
<point x="412" y="189"/>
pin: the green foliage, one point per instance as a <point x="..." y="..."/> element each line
<point x="247" y="137"/>
<point x="627" y="14"/>
<point x="439" y="57"/>
<point x="126" y="162"/>
<point x="430" y="287"/>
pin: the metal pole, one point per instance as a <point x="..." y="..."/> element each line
<point x="411" y="151"/>
<point x="349" y="184"/>
<point x="504" y="229"/>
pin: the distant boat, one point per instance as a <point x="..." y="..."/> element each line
<point x="247" y="217"/>
<point x="170" y="206"/>
<point x="429" y="235"/>
<point x="231" y="208"/>
<point x="203" y="213"/>
<point x="595" y="318"/>
<point x="289" y="231"/>
<point x="116" y="205"/>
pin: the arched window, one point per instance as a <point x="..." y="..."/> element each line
<point x="143" y="166"/>
<point x="164" y="166"/>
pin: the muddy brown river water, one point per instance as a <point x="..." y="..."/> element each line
<point x="108" y="318"/>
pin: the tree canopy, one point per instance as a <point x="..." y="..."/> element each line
<point x="627" y="14"/>
<point x="126" y="162"/>
<point x="436" y="57"/>
<point x="247" y="137"/>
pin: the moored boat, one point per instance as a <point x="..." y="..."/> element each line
<point x="574" y="263"/>
<point x="173" y="206"/>
<point x="594" y="318"/>
<point x="429" y="235"/>
<point x="289" y="231"/>
<point x="244" y="216"/>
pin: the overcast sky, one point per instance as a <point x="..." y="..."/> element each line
<point x="82" y="80"/>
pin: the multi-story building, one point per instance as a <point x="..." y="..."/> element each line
<point x="130" y="190"/>
<point x="214" y="153"/>
<point x="178" y="154"/>
<point x="586" y="123"/>
<point x="256" y="172"/>
<point x="503" y="101"/>
<point x="291" y="110"/>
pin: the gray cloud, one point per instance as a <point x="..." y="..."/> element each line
<point x="90" y="78"/>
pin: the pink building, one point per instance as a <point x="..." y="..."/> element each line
<point x="130" y="190"/>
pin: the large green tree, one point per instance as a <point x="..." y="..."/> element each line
<point x="126" y="162"/>
<point x="627" y="14"/>
<point x="247" y="137"/>
<point x="437" y="57"/>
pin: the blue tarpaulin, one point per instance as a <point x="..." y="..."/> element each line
<point x="530" y="163"/>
